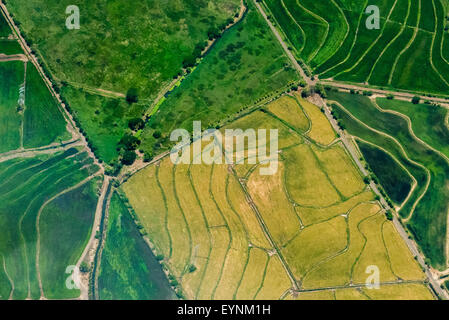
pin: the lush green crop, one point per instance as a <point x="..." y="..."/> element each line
<point x="395" y="180"/>
<point x="10" y="47"/>
<point x="11" y="78"/>
<point x="25" y="190"/>
<point x="129" y="270"/>
<point x="429" y="122"/>
<point x="65" y="226"/>
<point x="4" y="27"/>
<point x="386" y="57"/>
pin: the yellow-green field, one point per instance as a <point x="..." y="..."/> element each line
<point x="309" y="231"/>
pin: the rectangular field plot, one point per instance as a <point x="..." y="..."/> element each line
<point x="43" y="121"/>
<point x="11" y="79"/>
<point x="29" y="114"/>
<point x="228" y="232"/>
<point x="9" y="47"/>
<point x="5" y="31"/>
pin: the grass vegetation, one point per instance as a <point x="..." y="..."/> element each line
<point x="158" y="36"/>
<point x="105" y="120"/>
<point x="229" y="79"/>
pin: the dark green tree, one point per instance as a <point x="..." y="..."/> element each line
<point x="132" y="96"/>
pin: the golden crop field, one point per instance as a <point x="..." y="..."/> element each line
<point x="308" y="231"/>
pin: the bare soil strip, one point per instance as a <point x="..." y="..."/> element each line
<point x="13" y="57"/>
<point x="88" y="254"/>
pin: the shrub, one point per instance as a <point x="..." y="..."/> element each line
<point x="129" y="157"/>
<point x="147" y="156"/>
<point x="136" y="124"/>
<point x="415" y="100"/>
<point x="192" y="268"/>
<point x="84" y="267"/>
<point x="132" y="96"/>
<point x="129" y="142"/>
<point x="159" y="257"/>
<point x="157" y="134"/>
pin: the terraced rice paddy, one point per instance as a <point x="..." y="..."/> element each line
<point x="47" y="208"/>
<point x="48" y="192"/>
<point x="228" y="232"/>
<point x="395" y="131"/>
<point x="409" y="51"/>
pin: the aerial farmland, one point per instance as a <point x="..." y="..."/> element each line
<point x="224" y="150"/>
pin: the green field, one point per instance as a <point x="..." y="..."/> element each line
<point x="65" y="225"/>
<point x="246" y="64"/>
<point x="425" y="211"/>
<point x="10" y="47"/>
<point x="429" y="122"/>
<point x="38" y="122"/>
<point x="34" y="194"/>
<point x="129" y="270"/>
<point x="411" y="37"/>
<point x="121" y="44"/>
<point x="11" y="78"/>
<point x="43" y="121"/>
<point x="394" y="178"/>
<point x="139" y="70"/>
<point x="5" y="31"/>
